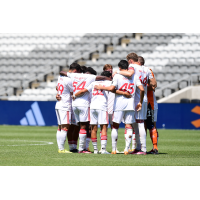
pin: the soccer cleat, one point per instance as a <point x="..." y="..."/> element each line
<point x="134" y="151"/>
<point x="96" y="152"/>
<point x="113" y="152"/>
<point x="141" y="153"/>
<point x="63" y="151"/>
<point x="100" y="151"/>
<point x="74" y="150"/>
<point x="105" y="152"/>
<point x="88" y="149"/>
<point x="126" y="153"/>
<point x="117" y="151"/>
<point x="155" y="151"/>
<point x="150" y="152"/>
<point x="84" y="151"/>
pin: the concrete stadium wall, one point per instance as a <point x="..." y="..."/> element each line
<point x="191" y="92"/>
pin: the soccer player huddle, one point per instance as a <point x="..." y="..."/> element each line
<point x="86" y="101"/>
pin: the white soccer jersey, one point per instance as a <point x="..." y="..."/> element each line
<point x="111" y="99"/>
<point x="64" y="86"/>
<point x="144" y="75"/>
<point x="80" y="82"/>
<point x="99" y="97"/>
<point x="127" y="85"/>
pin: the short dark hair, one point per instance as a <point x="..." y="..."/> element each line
<point x="106" y="73"/>
<point x="141" y="60"/>
<point x="83" y="69"/>
<point x="91" y="70"/>
<point x="123" y="64"/>
<point x="74" y="66"/>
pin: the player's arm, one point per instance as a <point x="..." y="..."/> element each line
<point x="126" y="94"/>
<point x="153" y="83"/>
<point x="150" y="88"/>
<point x="108" y="88"/>
<point x="128" y="73"/>
<point x="62" y="73"/>
<point x="80" y="93"/>
<point x="139" y="106"/>
<point x="102" y="78"/>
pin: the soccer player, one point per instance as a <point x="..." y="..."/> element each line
<point x="63" y="108"/>
<point x="152" y="118"/>
<point x="99" y="110"/>
<point x="144" y="75"/>
<point x="81" y="104"/>
<point x="124" y="108"/>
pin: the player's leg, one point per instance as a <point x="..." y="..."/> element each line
<point x="103" y="121"/>
<point x="65" y="118"/>
<point x="88" y="138"/>
<point x="117" y="118"/>
<point x="129" y="119"/>
<point x="94" y="128"/>
<point x="58" y="130"/>
<point x="84" y="118"/>
<point x="155" y="120"/>
<point x="152" y="130"/>
<point x="140" y="116"/>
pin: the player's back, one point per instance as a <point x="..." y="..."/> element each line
<point x="99" y="97"/>
<point x="80" y="82"/>
<point x="125" y="84"/>
<point x="64" y="88"/>
<point x="143" y="73"/>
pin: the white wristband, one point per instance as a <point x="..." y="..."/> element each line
<point x="74" y="96"/>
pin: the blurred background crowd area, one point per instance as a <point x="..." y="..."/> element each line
<point x="30" y="63"/>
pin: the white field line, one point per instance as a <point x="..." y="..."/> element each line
<point x="44" y="143"/>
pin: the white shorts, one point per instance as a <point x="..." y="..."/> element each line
<point x="142" y="114"/>
<point x="98" y="117"/>
<point x="155" y="115"/>
<point x="110" y="118"/>
<point x="126" y="116"/>
<point x="82" y="114"/>
<point x="63" y="117"/>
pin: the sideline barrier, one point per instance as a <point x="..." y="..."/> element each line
<point x="42" y="113"/>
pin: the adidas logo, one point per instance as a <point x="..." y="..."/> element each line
<point x="33" y="116"/>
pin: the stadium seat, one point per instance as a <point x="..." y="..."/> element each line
<point x="185" y="101"/>
<point x="195" y="101"/>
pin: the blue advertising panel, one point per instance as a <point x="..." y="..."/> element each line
<point x="30" y="113"/>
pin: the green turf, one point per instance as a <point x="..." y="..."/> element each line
<point x="28" y="146"/>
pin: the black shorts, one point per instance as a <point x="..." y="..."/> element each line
<point x="150" y="117"/>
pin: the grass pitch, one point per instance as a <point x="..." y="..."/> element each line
<point x="36" y="146"/>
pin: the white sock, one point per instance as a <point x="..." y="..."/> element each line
<point x="58" y="138"/>
<point x="137" y="136"/>
<point x="133" y="140"/>
<point x="128" y="137"/>
<point x="142" y="133"/>
<point x="114" y="136"/>
<point x="82" y="138"/>
<point x="94" y="143"/>
<point x="62" y="138"/>
<point x="71" y="145"/>
<point x="87" y="142"/>
<point x="103" y="142"/>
